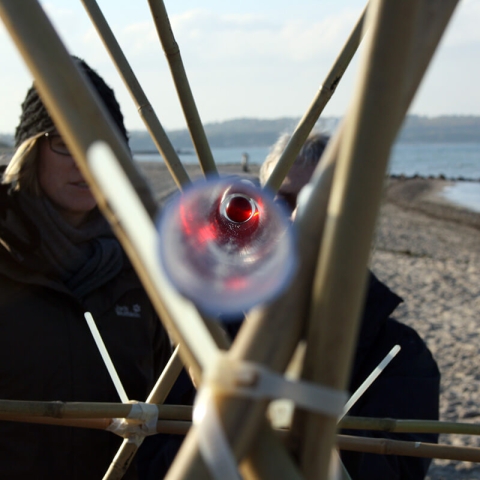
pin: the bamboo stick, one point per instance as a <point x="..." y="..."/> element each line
<point x="339" y="285"/>
<point x="174" y="58"/>
<point x="173" y="427"/>
<point x="385" y="446"/>
<point x="433" y="20"/>
<point x="344" y="442"/>
<point x="145" y="109"/>
<point x="127" y="450"/>
<point x="86" y="410"/>
<point x="319" y="102"/>
<point x="29" y="411"/>
<point x="409" y="426"/>
<point x="82" y="122"/>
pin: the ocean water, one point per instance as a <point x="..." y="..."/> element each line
<point x="453" y="160"/>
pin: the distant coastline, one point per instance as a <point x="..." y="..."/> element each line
<point x="253" y="132"/>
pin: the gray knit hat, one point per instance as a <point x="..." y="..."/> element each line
<point x="35" y="118"/>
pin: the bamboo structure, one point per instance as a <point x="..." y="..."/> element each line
<point x="144" y="107"/>
<point x="325" y="92"/>
<point x="344" y="198"/>
<point x="192" y="117"/>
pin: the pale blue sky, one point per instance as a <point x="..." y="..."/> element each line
<point x="248" y="58"/>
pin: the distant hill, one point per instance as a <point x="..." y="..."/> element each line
<point x="250" y="132"/>
<point x="243" y="132"/>
<point x="443" y="129"/>
<point x="254" y="132"/>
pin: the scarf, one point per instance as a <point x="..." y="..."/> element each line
<point x="83" y="259"/>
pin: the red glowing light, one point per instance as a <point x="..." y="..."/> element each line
<point x="239" y="209"/>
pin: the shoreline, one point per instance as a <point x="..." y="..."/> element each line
<point x="422" y="194"/>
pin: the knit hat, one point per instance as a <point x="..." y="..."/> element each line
<point x="35" y="118"/>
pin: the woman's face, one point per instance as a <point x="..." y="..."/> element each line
<point x="63" y="184"/>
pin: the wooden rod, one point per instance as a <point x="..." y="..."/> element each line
<point x="383" y="446"/>
<point x="127" y="450"/>
<point x="338" y="289"/>
<point x="321" y="99"/>
<point x="145" y="109"/>
<point x="174" y="58"/>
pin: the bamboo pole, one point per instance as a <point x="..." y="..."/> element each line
<point x="344" y="442"/>
<point x="409" y="426"/>
<point x="339" y="285"/>
<point x="86" y="410"/>
<point x="127" y="450"/>
<point x="325" y="92"/>
<point x="174" y="58"/>
<point x="30" y="411"/>
<point x="82" y="122"/>
<point x="145" y="109"/>
<point x="385" y="446"/>
<point x="433" y="19"/>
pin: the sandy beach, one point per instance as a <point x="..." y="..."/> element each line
<point x="428" y="251"/>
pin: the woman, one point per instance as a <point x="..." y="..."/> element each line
<point x="59" y="259"/>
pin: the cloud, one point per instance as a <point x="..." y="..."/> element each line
<point x="241" y="37"/>
<point x="463" y="28"/>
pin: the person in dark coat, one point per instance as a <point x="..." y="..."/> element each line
<point x="409" y="387"/>
<point x="58" y="260"/>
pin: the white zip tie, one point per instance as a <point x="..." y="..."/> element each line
<point x="106" y="357"/>
<point x="253" y="381"/>
<point x="369" y="380"/>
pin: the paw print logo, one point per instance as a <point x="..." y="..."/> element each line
<point x="137" y="308"/>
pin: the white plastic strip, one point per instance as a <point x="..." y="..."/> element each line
<point x="252" y="381"/>
<point x="255" y="381"/>
<point x="106" y="357"/>
<point x="369" y="380"/>
<point x="130" y="212"/>
<point x="212" y="441"/>
<point x="140" y="422"/>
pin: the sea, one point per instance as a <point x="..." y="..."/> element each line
<point x="457" y="161"/>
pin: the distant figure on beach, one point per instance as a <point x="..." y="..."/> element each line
<point x="409" y="388"/>
<point x="244" y="162"/>
<point x="59" y="259"/>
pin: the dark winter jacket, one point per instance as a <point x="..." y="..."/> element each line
<point x="408" y="388"/>
<point x="47" y="353"/>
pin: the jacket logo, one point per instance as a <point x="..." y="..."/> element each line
<point x="125" y="311"/>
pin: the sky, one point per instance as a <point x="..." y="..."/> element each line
<point x="244" y="58"/>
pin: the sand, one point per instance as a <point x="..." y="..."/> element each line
<point x="428" y="251"/>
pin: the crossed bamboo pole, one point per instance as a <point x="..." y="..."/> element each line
<point x="145" y="110"/>
<point x="45" y="411"/>
<point x="176" y="420"/>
